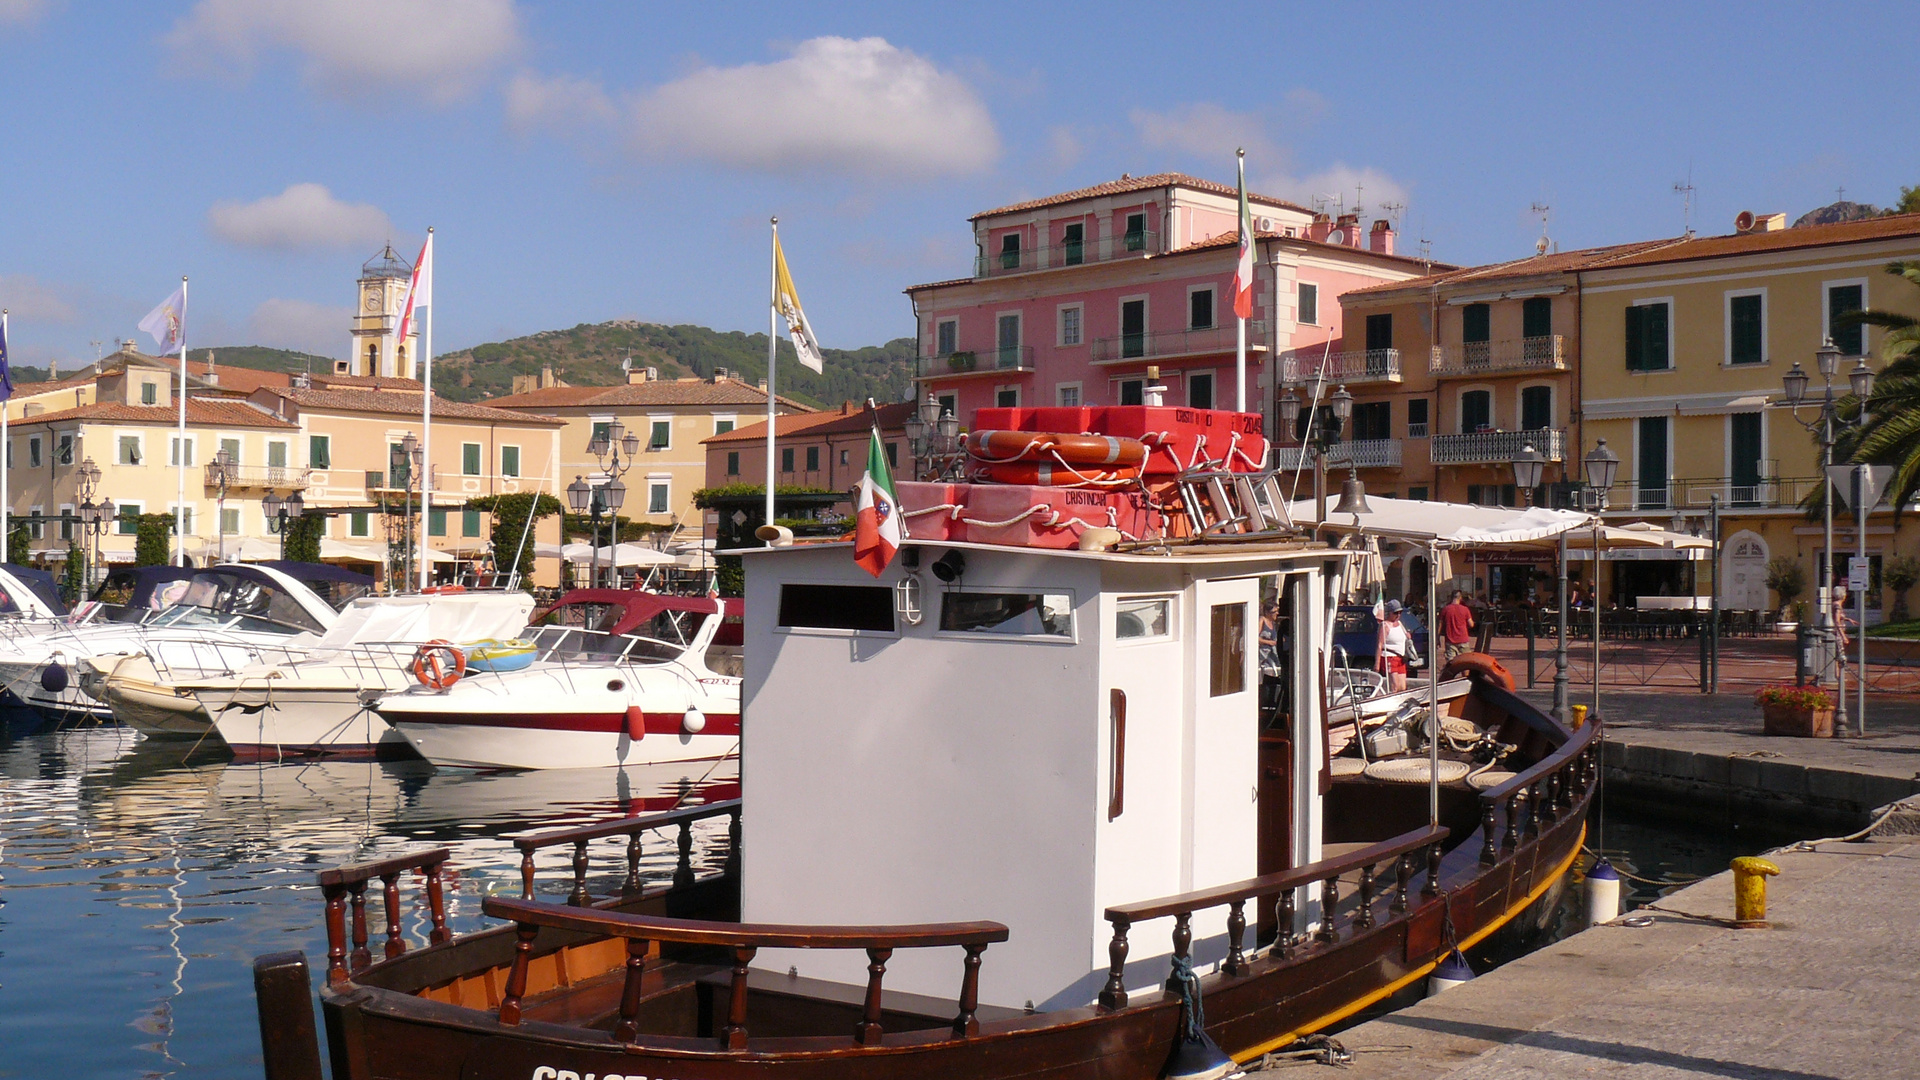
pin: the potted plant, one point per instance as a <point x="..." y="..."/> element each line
<point x="1787" y="577"/>
<point x="1804" y="711"/>
<point x="960" y="361"/>
<point x="1902" y="573"/>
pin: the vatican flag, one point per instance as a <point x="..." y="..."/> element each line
<point x="786" y="300"/>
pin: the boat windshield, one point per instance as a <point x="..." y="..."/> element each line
<point x="215" y="598"/>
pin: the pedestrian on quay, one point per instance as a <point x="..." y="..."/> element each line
<point x="1457" y="624"/>
<point x="1392" y="648"/>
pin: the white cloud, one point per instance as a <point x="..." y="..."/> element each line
<point x="1205" y="130"/>
<point x="836" y="104"/>
<point x="1064" y="149"/>
<point x="29" y="299"/>
<point x="22" y="11"/>
<point x="303" y="216"/>
<point x="357" y="48"/>
<point x="298" y="324"/>
<point x="1341" y="181"/>
<point x="562" y="102"/>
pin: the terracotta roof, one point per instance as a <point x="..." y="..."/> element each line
<point x="1232" y="239"/>
<point x="846" y="420"/>
<point x="371" y="382"/>
<point x="202" y="412"/>
<point x="48" y="387"/>
<point x="240" y="379"/>
<point x="1558" y="262"/>
<point x="392" y="404"/>
<point x="657" y="392"/>
<point x="1127" y="184"/>
<point x="1861" y="231"/>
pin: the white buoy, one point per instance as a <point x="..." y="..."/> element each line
<point x="694" y="722"/>
<point x="1452" y="971"/>
<point x="1603" y="893"/>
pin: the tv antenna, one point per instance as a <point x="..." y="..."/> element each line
<point x="1545" y="211"/>
<point x="1393" y="210"/>
<point x="1685" y="191"/>
<point x="1328" y="198"/>
<point x="1359" y="203"/>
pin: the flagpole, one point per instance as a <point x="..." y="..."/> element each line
<point x="1239" y="321"/>
<point x="773" y="306"/>
<point x="180" y="457"/>
<point x="6" y="447"/>
<point x="426" y="423"/>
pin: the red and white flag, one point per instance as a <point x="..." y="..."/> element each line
<point x="419" y="289"/>
<point x="876" y="529"/>
<point x="1243" y="270"/>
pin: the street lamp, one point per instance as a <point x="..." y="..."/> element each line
<point x="1528" y="465"/>
<point x="933" y="438"/>
<point x="614" y="451"/>
<point x="1602" y="466"/>
<point x="279" y="512"/>
<point x="94" y="517"/>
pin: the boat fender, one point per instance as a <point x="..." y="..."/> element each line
<point x="443" y="590"/>
<point x="1195" y="1055"/>
<point x="636" y="723"/>
<point x="435" y="673"/>
<point x="694" y="722"/>
<point x="1453" y="970"/>
<point x="1603" y="893"/>
<point x="1479" y="666"/>
<point x="53" y="678"/>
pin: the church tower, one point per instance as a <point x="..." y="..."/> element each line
<point x="383" y="289"/>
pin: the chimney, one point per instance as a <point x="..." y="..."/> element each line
<point x="639" y="375"/>
<point x="719" y="375"/>
<point x="1320" y="227"/>
<point x="763" y="386"/>
<point x="1349" y="228"/>
<point x="129" y="345"/>
<point x="546" y="376"/>
<point x="1749" y="222"/>
<point x="1381" y="238"/>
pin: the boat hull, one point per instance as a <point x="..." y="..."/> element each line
<point x="300" y="721"/>
<point x="571" y="738"/>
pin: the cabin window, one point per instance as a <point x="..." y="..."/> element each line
<point x="837" y="607"/>
<point x="1227" y="653"/>
<point x="1008" y="614"/>
<point x="1143" y="619"/>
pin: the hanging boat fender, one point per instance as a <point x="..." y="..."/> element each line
<point x="694" y="722"/>
<point x="636" y="723"/>
<point x="1479" y="666"/>
<point x="1603" y="893"/>
<point x="53" y="678"/>
<point x="1453" y="970"/>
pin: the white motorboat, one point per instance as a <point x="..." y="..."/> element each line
<point x="667" y="689"/>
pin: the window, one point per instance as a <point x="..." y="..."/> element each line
<point x="722" y="426"/>
<point x="843" y="459"/>
<point x="945" y="332"/>
<point x="1143" y="619"/>
<point x="837" y="607"/>
<point x="128" y="526"/>
<point x="276" y="455"/>
<point x="1379" y="336"/>
<point x="1536" y="408"/>
<point x="186" y="519"/>
<point x="1135" y="238"/>
<point x="33" y="452"/>
<point x="1650" y="465"/>
<point x="657" y="497"/>
<point x="359" y="523"/>
<point x="373" y="358"/>
<point x="813" y="459"/>
<point x="1067" y="395"/>
<point x="1476" y="411"/>
<point x="66" y="521"/>
<point x="1647" y="325"/>
<point x="1746" y="445"/>
<point x="1200" y="309"/>
<point x="601" y="429"/>
<point x="733" y="463"/>
<point x="1070" y="324"/>
<point x="149" y="393"/>
<point x="1373" y="420"/>
<point x="1007" y="397"/>
<point x="662" y="435"/>
<point x="469" y="523"/>
<point x="1309" y="304"/>
<point x="1476" y="332"/>
<point x="174" y="451"/>
<point x="1536" y="317"/>
<point x="509" y="461"/>
<point x="1200" y="390"/>
<point x="230" y="521"/>
<point x="1227" y="651"/>
<point x="1746" y="328"/>
<point x="1418" y="493"/>
<point x="1008" y="341"/>
<point x="1008" y="614"/>
<point x="786" y="459"/>
<point x="1133" y="391"/>
<point x="470" y="459"/>
<point x="1850" y="337"/>
<point x="1493" y="495"/>
<point x="893" y="455"/>
<point x="37" y="529"/>
<point x="129" y="453"/>
<point x="1133" y="328"/>
<point x="1417" y="418"/>
<point x="399" y="468"/>
<point x="436" y="523"/>
<point x="231" y="448"/>
<point x="1010" y="251"/>
<point x="1071" y="240"/>
<point x="63" y="450"/>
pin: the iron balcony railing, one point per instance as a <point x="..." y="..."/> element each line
<point x="1497" y="447"/>
<point x="1168" y="344"/>
<point x="257" y="476"/>
<point x="1697" y="493"/>
<point x="1512" y="354"/>
<point x="1125" y="245"/>
<point x="961" y="362"/>
<point x="1298" y="366"/>
<point x="1362" y="453"/>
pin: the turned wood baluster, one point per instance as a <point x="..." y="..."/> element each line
<point x="1283" y="919"/>
<point x="628" y="1027"/>
<point x="966" y="1023"/>
<point x="1532" y="810"/>
<point x="578" y="897"/>
<point x="360" y="957"/>
<point x="524" y="934"/>
<point x="336" y="935"/>
<point x="1236" y="929"/>
<point x="1565" y="778"/>
<point x="1549" y="802"/>
<point x="1182" y="941"/>
<point x="734" y="1037"/>
<point x="526" y="873"/>
<point x="632" y="884"/>
<point x="1432" y="887"/>
<point x="437" y="906"/>
<point x="1114" y="994"/>
<point x="1511" y="838"/>
<point x="391" y="894"/>
<point x="733" y="845"/>
<point x="1329" y="899"/>
<point x="868" y="1033"/>
<point x="1402" y="874"/>
<point x="683" y="871"/>
<point x="1489" y="854"/>
<point x="1364" y="920"/>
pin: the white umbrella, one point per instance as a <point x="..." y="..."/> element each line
<point x="635" y="555"/>
<point x="238" y="549"/>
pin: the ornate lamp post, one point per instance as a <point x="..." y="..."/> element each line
<point x="933" y="438"/>
<point x="279" y="512"/>
<point x="1320" y="440"/>
<point x="1602" y="466"/>
<point x="94" y="517"/>
<point x="1528" y="465"/>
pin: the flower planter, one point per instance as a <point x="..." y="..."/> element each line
<point x="1803" y="723"/>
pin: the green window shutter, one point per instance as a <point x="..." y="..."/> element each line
<point x="320" y="452"/>
<point x="1476" y="322"/>
<point x="437" y="523"/>
<point x="1841" y="300"/>
<point x="509" y="461"/>
<point x="469" y="523"/>
<point x="1636" y="361"/>
<point x="1655" y="349"/>
<point x="1536" y="316"/>
<point x="1743" y="330"/>
<point x="470" y="459"/>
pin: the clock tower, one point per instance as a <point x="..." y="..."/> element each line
<point x="383" y="290"/>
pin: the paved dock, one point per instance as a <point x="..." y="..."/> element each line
<point x="1829" y="991"/>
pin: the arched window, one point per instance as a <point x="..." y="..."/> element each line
<point x="373" y="358"/>
<point x="400" y="364"/>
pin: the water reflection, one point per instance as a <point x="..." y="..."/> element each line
<point x="138" y="879"/>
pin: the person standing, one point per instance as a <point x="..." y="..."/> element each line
<point x="1391" y="648"/>
<point x="1457" y="625"/>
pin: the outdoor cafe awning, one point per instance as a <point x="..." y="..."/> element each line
<point x="1449" y="525"/>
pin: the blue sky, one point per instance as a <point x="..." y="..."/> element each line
<point x="587" y="161"/>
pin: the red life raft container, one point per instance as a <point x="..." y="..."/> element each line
<point x="927" y="510"/>
<point x="1182" y="439"/>
<point x="1015" y="515"/>
<point x="1061" y="447"/>
<point x="1054" y="474"/>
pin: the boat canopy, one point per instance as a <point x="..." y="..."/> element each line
<point x="38" y="584"/>
<point x="456" y="617"/>
<point x="1449" y="525"/>
<point x="626" y="611"/>
<point x="336" y="585"/>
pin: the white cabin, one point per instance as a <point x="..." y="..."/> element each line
<point x="965" y="761"/>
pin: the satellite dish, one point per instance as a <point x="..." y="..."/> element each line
<point x="1337" y="236"/>
<point x="1743" y="221"/>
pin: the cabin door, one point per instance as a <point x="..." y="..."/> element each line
<point x="1223" y="774"/>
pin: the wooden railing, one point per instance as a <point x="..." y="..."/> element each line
<point x="743" y="940"/>
<point x="1534" y="799"/>
<point x="1286" y="883"/>
<point x="632" y="828"/>
<point x="346" y="887"/>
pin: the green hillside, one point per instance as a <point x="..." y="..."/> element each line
<point x="261" y="358"/>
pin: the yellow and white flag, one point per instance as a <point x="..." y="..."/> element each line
<point x="786" y="301"/>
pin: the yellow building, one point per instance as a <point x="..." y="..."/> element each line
<point x="1684" y="347"/>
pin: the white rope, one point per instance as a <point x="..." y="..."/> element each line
<point x="1038" y="442"/>
<point x="1909" y="803"/>
<point x="952" y="508"/>
<point x="1015" y="520"/>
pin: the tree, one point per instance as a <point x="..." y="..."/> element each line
<point x="1890" y="434"/>
<point x="1787" y="577"/>
<point x="1902" y="573"/>
<point x="303" y="537"/>
<point x="1909" y="201"/>
<point x="73" y="577"/>
<point x="19" y="542"/>
<point x="514" y="518"/>
<point x="152" y="540"/>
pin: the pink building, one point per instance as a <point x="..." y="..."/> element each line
<point x="1074" y="296"/>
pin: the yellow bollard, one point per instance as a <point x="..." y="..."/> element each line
<point x="1750" y="875"/>
<point x="1579" y="716"/>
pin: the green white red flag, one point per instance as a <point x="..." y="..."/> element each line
<point x="877" y="528"/>
<point x="1243" y="271"/>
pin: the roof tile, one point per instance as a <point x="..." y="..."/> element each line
<point x="1128" y="184"/>
<point x="392" y="404"/>
<point x="204" y="412"/>
<point x="832" y="422"/>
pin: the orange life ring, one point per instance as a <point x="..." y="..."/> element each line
<point x="1054" y="474"/>
<point x="444" y="589"/>
<point x="1479" y="665"/>
<point x="1004" y="446"/>
<point x="432" y="673"/>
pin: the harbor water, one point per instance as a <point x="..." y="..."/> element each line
<point x="138" y="881"/>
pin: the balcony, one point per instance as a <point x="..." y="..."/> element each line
<point x="1361" y="453"/>
<point x="242" y="477"/>
<point x="1130" y="245"/>
<point x="1497" y="447"/>
<point x="1696" y="494"/>
<point x="1177" y="344"/>
<point x="971" y="364"/>
<point x="1500" y="357"/>
<point x="1341" y="368"/>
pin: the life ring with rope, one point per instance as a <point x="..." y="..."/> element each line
<point x="442" y="590"/>
<point x="431" y="671"/>
<point x="1110" y="450"/>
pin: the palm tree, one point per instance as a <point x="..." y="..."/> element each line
<point x="1891" y="433"/>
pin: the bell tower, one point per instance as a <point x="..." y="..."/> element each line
<point x="383" y="289"/>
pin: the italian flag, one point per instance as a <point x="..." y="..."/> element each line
<point x="876" y="529"/>
<point x="1243" y="271"/>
